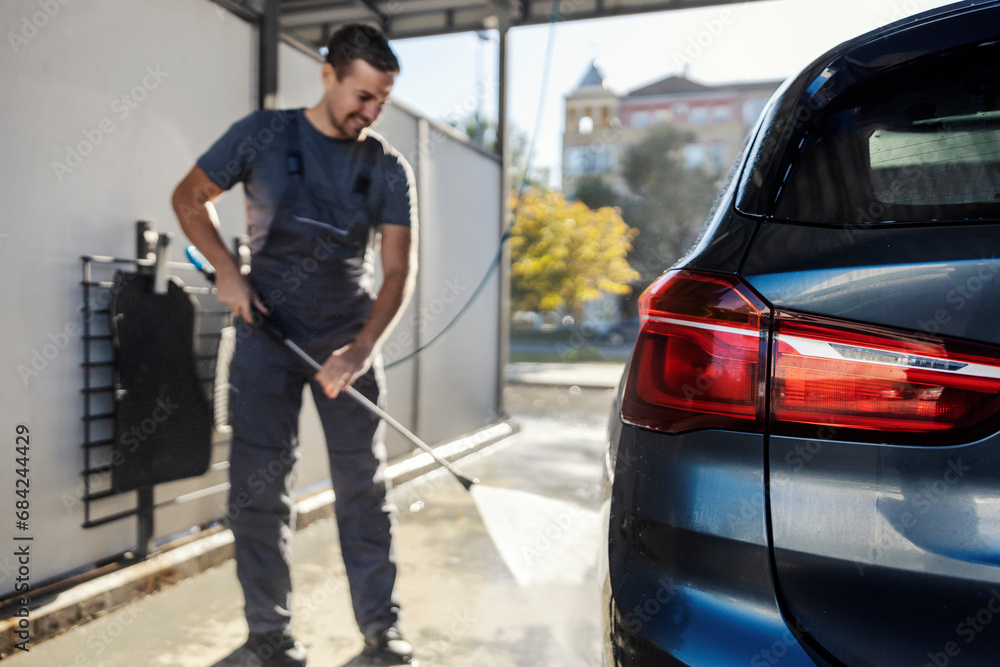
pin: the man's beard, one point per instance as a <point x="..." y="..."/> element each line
<point x="346" y="128"/>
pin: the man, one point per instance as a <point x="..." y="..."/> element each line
<point x="318" y="186"/>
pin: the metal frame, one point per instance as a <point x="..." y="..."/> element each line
<point x="98" y="385"/>
<point x="401" y="19"/>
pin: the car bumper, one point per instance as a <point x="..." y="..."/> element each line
<point x="689" y="563"/>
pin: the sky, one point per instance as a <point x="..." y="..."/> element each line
<point x="445" y="77"/>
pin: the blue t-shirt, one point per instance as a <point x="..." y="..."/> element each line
<point x="253" y="152"/>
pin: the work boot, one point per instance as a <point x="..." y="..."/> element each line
<point x="389" y="648"/>
<point x="276" y="649"/>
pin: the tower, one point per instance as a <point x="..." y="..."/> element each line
<point x="592" y="130"/>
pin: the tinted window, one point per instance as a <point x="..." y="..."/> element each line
<point x="942" y="165"/>
<point x="920" y="143"/>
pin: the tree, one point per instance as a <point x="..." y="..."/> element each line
<point x="667" y="203"/>
<point x="593" y="191"/>
<point x="565" y="254"/>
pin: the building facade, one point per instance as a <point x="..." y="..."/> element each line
<point x="600" y="125"/>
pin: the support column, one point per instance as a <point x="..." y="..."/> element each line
<point x="423" y="176"/>
<point x="267" y="56"/>
<point x="504" y="19"/>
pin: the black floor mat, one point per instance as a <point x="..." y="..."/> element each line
<point x="163" y="417"/>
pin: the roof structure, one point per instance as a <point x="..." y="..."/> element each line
<point x="672" y="85"/>
<point x="678" y="85"/>
<point x="593" y="77"/>
<point x="314" y="20"/>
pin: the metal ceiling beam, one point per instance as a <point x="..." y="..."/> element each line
<point x="298" y="16"/>
<point x="423" y="18"/>
<point x="249" y="10"/>
<point x="384" y="18"/>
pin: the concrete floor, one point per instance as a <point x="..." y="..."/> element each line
<point x="461" y="603"/>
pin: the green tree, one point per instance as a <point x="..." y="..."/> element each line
<point x="667" y="203"/>
<point x="565" y="254"/>
<point x="593" y="191"/>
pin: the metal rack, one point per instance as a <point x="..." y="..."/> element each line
<point x="98" y="389"/>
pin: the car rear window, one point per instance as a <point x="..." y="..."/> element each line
<point x="940" y="165"/>
<point x="920" y="143"/>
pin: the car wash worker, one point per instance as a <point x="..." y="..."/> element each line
<point x="320" y="189"/>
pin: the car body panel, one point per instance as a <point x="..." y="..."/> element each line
<point x="955" y="299"/>
<point x="723" y="244"/>
<point x="702" y="532"/>
<point x="882" y="553"/>
<point x="825" y="549"/>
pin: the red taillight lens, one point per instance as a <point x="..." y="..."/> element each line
<point x="855" y="379"/>
<point x="699" y="360"/>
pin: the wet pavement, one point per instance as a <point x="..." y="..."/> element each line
<point x="462" y="605"/>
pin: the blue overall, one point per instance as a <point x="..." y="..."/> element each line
<point x="311" y="272"/>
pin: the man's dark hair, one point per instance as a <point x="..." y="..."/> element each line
<point x="357" y="40"/>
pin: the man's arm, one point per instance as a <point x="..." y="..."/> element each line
<point x="399" y="267"/>
<point x="192" y="202"/>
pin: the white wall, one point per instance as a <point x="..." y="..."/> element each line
<point x="458" y="375"/>
<point x="82" y="164"/>
<point x="63" y="95"/>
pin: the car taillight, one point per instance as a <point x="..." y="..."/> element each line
<point x="871" y="383"/>
<point x="700" y="361"/>
<point x="700" y="358"/>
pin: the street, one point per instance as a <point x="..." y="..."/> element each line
<point x="568" y="348"/>
<point x="462" y="605"/>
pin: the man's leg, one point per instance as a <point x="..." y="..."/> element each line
<point x="266" y="395"/>
<point x="365" y="518"/>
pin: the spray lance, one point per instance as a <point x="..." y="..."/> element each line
<point x="267" y="324"/>
<point x="514" y="519"/>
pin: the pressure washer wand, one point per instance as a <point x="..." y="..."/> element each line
<point x="275" y="332"/>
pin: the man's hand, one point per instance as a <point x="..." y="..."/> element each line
<point x="342" y="368"/>
<point x="398" y="263"/>
<point x="236" y="294"/>
<point x="192" y="202"/>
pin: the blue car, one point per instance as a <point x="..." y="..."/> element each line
<point x="804" y="459"/>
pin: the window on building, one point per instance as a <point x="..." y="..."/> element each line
<point x="722" y="113"/>
<point x="694" y="156"/>
<point x="680" y="109"/>
<point x="586" y="125"/>
<point x="752" y="109"/>
<point x="699" y="115"/>
<point x="717" y="156"/>
<point x="662" y="117"/>
<point x="581" y="160"/>
<point x="640" y="119"/>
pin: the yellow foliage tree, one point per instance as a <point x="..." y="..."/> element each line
<point x="564" y="254"/>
